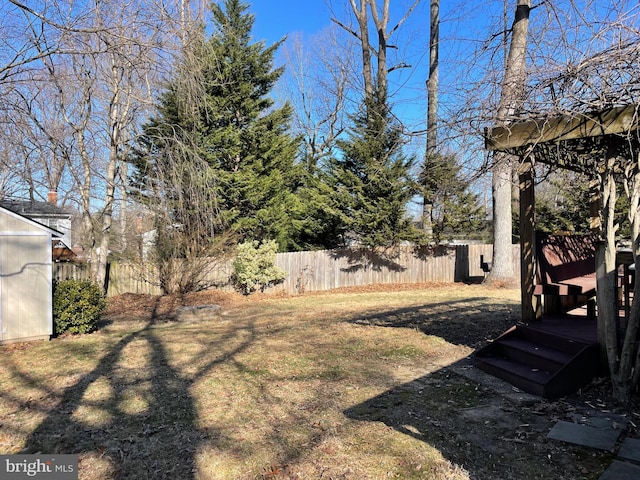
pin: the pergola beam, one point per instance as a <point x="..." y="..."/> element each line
<point x="558" y="128"/>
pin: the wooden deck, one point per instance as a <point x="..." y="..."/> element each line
<point x="558" y="353"/>
<point x="573" y="326"/>
<point x="550" y="357"/>
<point x="576" y="325"/>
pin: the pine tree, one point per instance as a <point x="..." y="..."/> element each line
<point x="319" y="223"/>
<point x="218" y="115"/>
<point x="247" y="139"/>
<point x="455" y="210"/>
<point x="560" y="201"/>
<point x="372" y="182"/>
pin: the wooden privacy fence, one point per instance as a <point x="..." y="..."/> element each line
<point x="323" y="270"/>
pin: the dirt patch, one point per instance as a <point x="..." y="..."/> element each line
<point x="490" y="436"/>
<point x="140" y="306"/>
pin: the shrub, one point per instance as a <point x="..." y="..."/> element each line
<point x="254" y="267"/>
<point x="77" y="306"/>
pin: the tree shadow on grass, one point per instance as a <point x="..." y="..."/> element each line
<point x="134" y="415"/>
<point x="471" y="322"/>
<point x="484" y="433"/>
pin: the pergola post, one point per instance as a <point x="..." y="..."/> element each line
<point x="531" y="308"/>
<point x="594" y="205"/>
<point x="602" y="144"/>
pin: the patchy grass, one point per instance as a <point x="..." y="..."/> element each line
<point x="341" y="385"/>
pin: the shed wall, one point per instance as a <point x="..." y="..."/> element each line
<point x="25" y="281"/>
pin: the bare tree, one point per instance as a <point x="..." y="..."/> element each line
<point x="319" y="85"/>
<point x="432" y="108"/>
<point x="374" y="52"/>
<point x="80" y="83"/>
<point x="43" y="139"/>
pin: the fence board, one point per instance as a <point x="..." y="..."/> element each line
<point x="70" y="271"/>
<point x="322" y="270"/>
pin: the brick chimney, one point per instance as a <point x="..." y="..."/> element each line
<point x="52" y="197"/>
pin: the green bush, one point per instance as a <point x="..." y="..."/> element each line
<point x="77" y="306"/>
<point x="254" y="267"/>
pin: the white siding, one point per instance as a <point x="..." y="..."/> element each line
<point x="25" y="280"/>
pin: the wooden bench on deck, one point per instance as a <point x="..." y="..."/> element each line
<point x="566" y="273"/>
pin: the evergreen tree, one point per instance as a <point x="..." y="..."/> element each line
<point x="320" y="224"/>
<point x="455" y="209"/>
<point x="171" y="174"/>
<point x="561" y="197"/>
<point x="560" y="203"/>
<point x="372" y="182"/>
<point x="218" y="114"/>
<point x="248" y="140"/>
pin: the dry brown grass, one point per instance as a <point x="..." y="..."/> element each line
<point x="341" y="385"/>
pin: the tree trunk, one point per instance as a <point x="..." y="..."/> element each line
<point x="511" y="100"/>
<point x="630" y="358"/>
<point x="502" y="270"/>
<point x="124" y="168"/>
<point x="432" y="109"/>
<point x="607" y="277"/>
<point x="360" y="11"/>
<point x="623" y="357"/>
<point x="375" y="86"/>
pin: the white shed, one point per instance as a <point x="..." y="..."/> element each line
<point x="25" y="278"/>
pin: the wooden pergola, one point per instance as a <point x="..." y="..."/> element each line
<point x="587" y="143"/>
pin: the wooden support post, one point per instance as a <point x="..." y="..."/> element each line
<point x="531" y="308"/>
<point x="595" y="203"/>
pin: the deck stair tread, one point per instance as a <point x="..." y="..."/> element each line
<point x="533" y="353"/>
<point x="538" y="362"/>
<point x="551" y="340"/>
<point x="519" y="368"/>
<point x="522" y="376"/>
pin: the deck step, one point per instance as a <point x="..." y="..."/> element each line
<point x="531" y="353"/>
<point x="539" y="362"/>
<point x="523" y="376"/>
<point x="550" y="340"/>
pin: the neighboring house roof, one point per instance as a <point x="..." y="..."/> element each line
<point x="55" y="234"/>
<point x="33" y="208"/>
<point x="59" y="251"/>
<point x="46" y="213"/>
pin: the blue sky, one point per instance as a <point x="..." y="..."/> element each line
<point x="277" y="18"/>
<point x="465" y="27"/>
<point x="459" y="31"/>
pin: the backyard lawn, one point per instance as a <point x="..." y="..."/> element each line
<point x="340" y="385"/>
